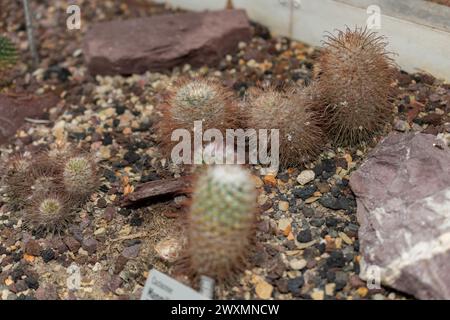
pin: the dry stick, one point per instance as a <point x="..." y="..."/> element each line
<point x="29" y="24"/>
<point x="157" y="188"/>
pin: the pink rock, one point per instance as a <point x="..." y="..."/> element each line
<point x="403" y="198"/>
<point x="164" y="41"/>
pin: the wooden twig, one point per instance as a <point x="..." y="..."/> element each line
<point x="154" y="189"/>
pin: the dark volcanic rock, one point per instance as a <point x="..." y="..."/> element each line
<point x="164" y="41"/>
<point x="14" y="109"/>
<point x="403" y="206"/>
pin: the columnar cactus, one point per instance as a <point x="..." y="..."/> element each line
<point x="221" y="220"/>
<point x="354" y="80"/>
<point x="290" y="111"/>
<point x="8" y="53"/>
<point x="197" y="100"/>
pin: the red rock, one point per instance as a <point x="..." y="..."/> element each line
<point x="14" y="109"/>
<point x="161" y="42"/>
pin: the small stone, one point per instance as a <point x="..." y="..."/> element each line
<point x="270" y="180"/>
<point x="99" y="231"/>
<point x="317" y="294"/>
<point x="109" y="213"/>
<point x="294" y="285"/>
<point x="362" y="291"/>
<point x="344" y="237"/>
<point x="305" y="176"/>
<point x="101" y="203"/>
<point x="264" y="290"/>
<point x="298" y="264"/>
<point x="32" y="282"/>
<point x="131" y="252"/>
<point x="336" y="259"/>
<point x="32" y="247"/>
<point x="72" y="244"/>
<point x="283" y="205"/>
<point x="330" y="202"/>
<point x="47" y="255"/>
<point x="304" y="236"/>
<point x="90" y="245"/>
<point x="285" y="225"/>
<point x="329" y="289"/>
<point x="304" y="193"/>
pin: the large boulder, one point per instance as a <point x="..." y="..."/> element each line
<point x="14" y="109"/>
<point x="403" y="198"/>
<point x="164" y="41"/>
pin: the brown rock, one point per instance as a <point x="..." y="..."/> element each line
<point x="14" y="109"/>
<point x="164" y="41"/>
<point x="403" y="197"/>
<point x="72" y="244"/>
<point x="33" y="248"/>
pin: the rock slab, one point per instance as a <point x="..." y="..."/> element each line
<point x="15" y="108"/>
<point x="403" y="207"/>
<point x="164" y="41"/>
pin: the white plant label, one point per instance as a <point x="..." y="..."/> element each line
<point x="162" y="287"/>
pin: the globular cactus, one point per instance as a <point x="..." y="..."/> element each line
<point x="16" y="178"/>
<point x="196" y="100"/>
<point x="354" y="78"/>
<point x="80" y="176"/>
<point x="290" y="111"/>
<point x="48" y="212"/>
<point x="221" y="221"/>
<point x="8" y="53"/>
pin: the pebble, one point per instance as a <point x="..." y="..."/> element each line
<point x="263" y="289"/>
<point x="304" y="193"/>
<point x="32" y="247"/>
<point x="90" y="245"/>
<point x="72" y="244"/>
<point x="99" y="231"/>
<point x="305" y="176"/>
<point x="336" y="259"/>
<point x="131" y="252"/>
<point x="294" y="285"/>
<point x="168" y="249"/>
<point x="298" y="264"/>
<point x="329" y="289"/>
<point x="47" y="255"/>
<point x="283" y="205"/>
<point x="344" y="237"/>
<point x="317" y="294"/>
<point x="304" y="236"/>
<point x="284" y="224"/>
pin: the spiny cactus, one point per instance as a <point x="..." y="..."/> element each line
<point x="354" y="80"/>
<point x="196" y="100"/>
<point x="221" y="220"/>
<point x="8" y="53"/>
<point x="48" y="212"/>
<point x="79" y="176"/>
<point x="290" y="111"/>
<point x="16" y="179"/>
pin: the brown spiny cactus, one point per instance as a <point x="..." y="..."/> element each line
<point x="290" y="111"/>
<point x="196" y="100"/>
<point x="354" y="80"/>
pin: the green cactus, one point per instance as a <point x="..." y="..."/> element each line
<point x="221" y="221"/>
<point x="8" y="53"/>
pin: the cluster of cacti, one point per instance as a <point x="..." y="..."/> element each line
<point x="290" y="111"/>
<point x="48" y="188"/>
<point x="221" y="221"/>
<point x="196" y="100"/>
<point x="354" y="80"/>
<point x="8" y="53"/>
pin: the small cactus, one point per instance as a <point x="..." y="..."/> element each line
<point x="48" y="212"/>
<point x="196" y="100"/>
<point x="221" y="221"/>
<point x="8" y="53"/>
<point x="16" y="179"/>
<point x="289" y="111"/>
<point x="79" y="176"/>
<point x="354" y="78"/>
